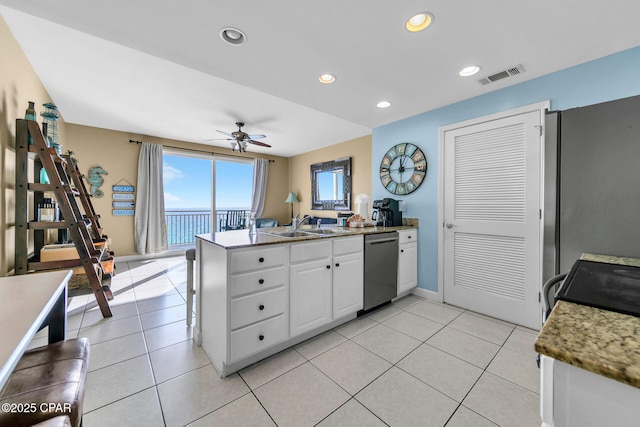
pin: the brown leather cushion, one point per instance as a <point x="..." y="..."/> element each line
<point x="62" y="421"/>
<point x="47" y="382"/>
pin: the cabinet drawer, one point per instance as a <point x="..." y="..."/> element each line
<point x="407" y="236"/>
<point x="246" y="283"/>
<point x="310" y="251"/>
<point x="257" y="259"/>
<point x="259" y="336"/>
<point x="256" y="307"/>
<point x="348" y="245"/>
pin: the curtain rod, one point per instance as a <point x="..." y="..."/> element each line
<point x="202" y="151"/>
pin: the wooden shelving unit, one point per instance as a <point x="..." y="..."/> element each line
<point x="68" y="188"/>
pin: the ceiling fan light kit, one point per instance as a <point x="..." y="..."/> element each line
<point x="239" y="139"/>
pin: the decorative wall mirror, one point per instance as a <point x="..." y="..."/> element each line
<point x="331" y="185"/>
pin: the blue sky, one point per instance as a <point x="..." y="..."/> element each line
<point x="187" y="183"/>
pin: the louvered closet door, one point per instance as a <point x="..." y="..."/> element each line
<point x="491" y="218"/>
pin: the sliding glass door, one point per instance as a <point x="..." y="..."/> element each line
<point x="204" y="194"/>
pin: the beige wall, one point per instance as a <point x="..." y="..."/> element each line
<point x="114" y="153"/>
<point x="358" y="149"/>
<point x="18" y="85"/>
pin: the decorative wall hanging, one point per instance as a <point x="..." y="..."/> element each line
<point x="123" y="203"/>
<point x="403" y="168"/>
<point x="95" y="180"/>
<point x="123" y="196"/>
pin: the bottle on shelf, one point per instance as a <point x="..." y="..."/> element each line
<point x="30" y="114"/>
<point x="44" y="179"/>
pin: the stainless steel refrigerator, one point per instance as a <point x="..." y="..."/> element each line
<point x="592" y="183"/>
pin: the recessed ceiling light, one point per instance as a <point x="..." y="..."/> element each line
<point x="327" y="78"/>
<point x="233" y="36"/>
<point x="469" y="71"/>
<point x="419" y="22"/>
<point x="383" y="104"/>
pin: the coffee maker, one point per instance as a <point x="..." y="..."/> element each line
<point x="386" y="213"/>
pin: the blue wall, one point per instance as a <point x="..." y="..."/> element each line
<point x="612" y="77"/>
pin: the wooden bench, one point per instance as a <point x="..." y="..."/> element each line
<point x="47" y="383"/>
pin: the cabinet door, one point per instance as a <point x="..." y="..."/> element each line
<point x="310" y="287"/>
<point x="407" y="267"/>
<point x="348" y="279"/>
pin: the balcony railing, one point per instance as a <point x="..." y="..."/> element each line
<point x="183" y="225"/>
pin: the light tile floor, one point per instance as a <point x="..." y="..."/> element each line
<point x="412" y="363"/>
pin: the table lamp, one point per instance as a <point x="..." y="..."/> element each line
<point x="291" y="198"/>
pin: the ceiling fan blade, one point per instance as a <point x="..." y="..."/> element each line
<point x="228" y="134"/>
<point x="220" y="139"/>
<point x="257" y="136"/>
<point x="258" y="143"/>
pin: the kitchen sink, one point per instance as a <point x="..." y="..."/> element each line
<point x="286" y="233"/>
<point x="325" y="231"/>
<point x="306" y="232"/>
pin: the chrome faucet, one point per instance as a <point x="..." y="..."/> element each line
<point x="297" y="222"/>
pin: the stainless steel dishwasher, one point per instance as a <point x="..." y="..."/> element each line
<point x="380" y="269"/>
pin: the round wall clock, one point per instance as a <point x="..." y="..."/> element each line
<point x="403" y="168"/>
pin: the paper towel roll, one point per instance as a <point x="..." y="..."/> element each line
<point x="362" y="205"/>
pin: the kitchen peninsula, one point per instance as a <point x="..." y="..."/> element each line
<point x="259" y="294"/>
<point x="590" y="365"/>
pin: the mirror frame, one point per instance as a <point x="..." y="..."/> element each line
<point x="343" y="204"/>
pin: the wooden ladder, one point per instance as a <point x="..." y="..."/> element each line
<point x="58" y="171"/>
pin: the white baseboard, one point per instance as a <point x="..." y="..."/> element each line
<point x="426" y="294"/>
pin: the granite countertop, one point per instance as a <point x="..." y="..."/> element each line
<point x="242" y="238"/>
<point x="601" y="341"/>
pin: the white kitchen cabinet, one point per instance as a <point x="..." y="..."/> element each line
<point x="256" y="298"/>
<point x="574" y="397"/>
<point x="348" y="276"/>
<point x="257" y="305"/>
<point x="310" y="286"/>
<point x="242" y="299"/>
<point x="326" y="282"/>
<point x="407" y="260"/>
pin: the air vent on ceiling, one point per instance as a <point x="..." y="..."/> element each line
<point x="517" y="69"/>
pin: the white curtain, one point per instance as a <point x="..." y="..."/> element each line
<point x="150" y="227"/>
<point x="260" y="174"/>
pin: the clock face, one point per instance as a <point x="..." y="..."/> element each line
<point x="403" y="168"/>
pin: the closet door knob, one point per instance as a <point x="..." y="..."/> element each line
<point x="261" y="259"/>
<point x="261" y="337"/>
<point x="261" y="307"/>
<point x="261" y="281"/>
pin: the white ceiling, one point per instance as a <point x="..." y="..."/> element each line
<point x="159" y="67"/>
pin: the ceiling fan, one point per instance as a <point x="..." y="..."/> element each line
<point x="239" y="139"/>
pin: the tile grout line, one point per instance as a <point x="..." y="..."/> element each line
<point x="309" y="360"/>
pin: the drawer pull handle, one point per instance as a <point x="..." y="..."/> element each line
<point x="261" y="307"/>
<point x="261" y="337"/>
<point x="337" y="264"/>
<point x="402" y="250"/>
<point x="408" y="237"/>
<point x="261" y="281"/>
<point x="261" y="259"/>
<point x="328" y="266"/>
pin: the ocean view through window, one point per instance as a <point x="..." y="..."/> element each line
<point x="199" y="193"/>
